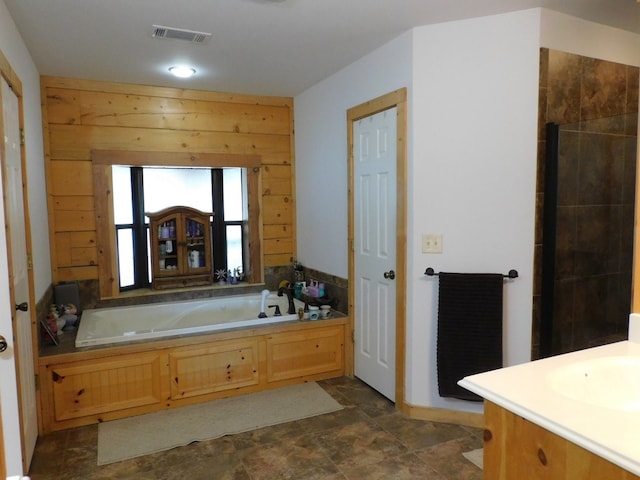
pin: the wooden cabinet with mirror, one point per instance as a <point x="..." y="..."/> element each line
<point x="180" y="247"/>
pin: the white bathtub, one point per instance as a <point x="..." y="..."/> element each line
<point x="139" y="322"/>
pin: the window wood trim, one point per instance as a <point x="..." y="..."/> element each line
<point x="174" y="159"/>
<point x="102" y="160"/>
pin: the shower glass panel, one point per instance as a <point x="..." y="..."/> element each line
<point x="590" y="177"/>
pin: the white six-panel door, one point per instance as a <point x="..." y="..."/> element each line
<point x="375" y="223"/>
<point x="15" y="217"/>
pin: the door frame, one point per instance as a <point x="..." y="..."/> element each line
<point x="398" y="99"/>
<point x="7" y="72"/>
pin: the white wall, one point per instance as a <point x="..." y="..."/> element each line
<point x="474" y="167"/>
<point x="473" y="107"/>
<point x="14" y="49"/>
<point x="573" y="35"/>
<point x="321" y="150"/>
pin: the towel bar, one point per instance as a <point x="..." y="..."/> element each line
<point x="512" y="273"/>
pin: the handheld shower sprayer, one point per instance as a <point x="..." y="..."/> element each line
<point x="264" y="294"/>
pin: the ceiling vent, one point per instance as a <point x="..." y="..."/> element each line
<point x="192" y="36"/>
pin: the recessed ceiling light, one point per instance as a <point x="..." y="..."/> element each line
<point x="182" y="71"/>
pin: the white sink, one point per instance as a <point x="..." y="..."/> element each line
<point x="608" y="382"/>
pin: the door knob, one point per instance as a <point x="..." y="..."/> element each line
<point x="3" y="344"/>
<point x="390" y="274"/>
<point x="23" y="307"/>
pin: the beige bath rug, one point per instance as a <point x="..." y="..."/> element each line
<point x="475" y="457"/>
<point x="154" y="432"/>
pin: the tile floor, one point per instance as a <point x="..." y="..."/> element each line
<point x="368" y="439"/>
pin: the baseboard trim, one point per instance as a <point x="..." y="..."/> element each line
<point x="444" y="415"/>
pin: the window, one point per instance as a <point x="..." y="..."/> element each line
<point x="103" y="160"/>
<point x="140" y="189"/>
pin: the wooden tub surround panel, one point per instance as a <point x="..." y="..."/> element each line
<point x="97" y="386"/>
<point x="100" y="384"/>
<point x="213" y="368"/>
<point x="296" y="354"/>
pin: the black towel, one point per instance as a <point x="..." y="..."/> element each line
<point x="469" y="329"/>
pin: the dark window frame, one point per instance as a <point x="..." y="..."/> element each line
<point x="140" y="228"/>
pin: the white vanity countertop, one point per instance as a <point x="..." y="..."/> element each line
<point x="536" y="392"/>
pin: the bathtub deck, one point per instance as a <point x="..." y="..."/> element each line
<point x="67" y="339"/>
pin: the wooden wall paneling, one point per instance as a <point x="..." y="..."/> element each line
<point x="71" y="178"/>
<point x="49" y="181"/>
<point x="278" y="215"/>
<point x="275" y="171"/>
<point x="109" y="109"/>
<point x="70" y="220"/>
<point x="74" y="214"/>
<point x="76" y="248"/>
<point x="276" y="186"/>
<point x="275" y="260"/>
<point x="164" y="92"/>
<point x="83" y="117"/>
<point x="62" y="106"/>
<point x="277" y="231"/>
<point x="277" y="210"/>
<point x="76" y="142"/>
<point x="80" y="203"/>
<point x="277" y="245"/>
<point x="74" y="274"/>
<point x="276" y="159"/>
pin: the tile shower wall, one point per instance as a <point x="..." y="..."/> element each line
<point x="596" y="102"/>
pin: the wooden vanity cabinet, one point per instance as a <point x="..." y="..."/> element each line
<point x="515" y="448"/>
<point x="180" y="247"/>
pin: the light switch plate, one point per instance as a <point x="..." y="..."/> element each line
<point x="431" y="243"/>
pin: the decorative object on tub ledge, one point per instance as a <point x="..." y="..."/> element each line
<point x="48" y="335"/>
<point x="431" y="272"/>
<point x="69" y="314"/>
<point x="469" y="336"/>
<point x="319" y="301"/>
<point x="221" y="275"/>
<point x="154" y="432"/>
